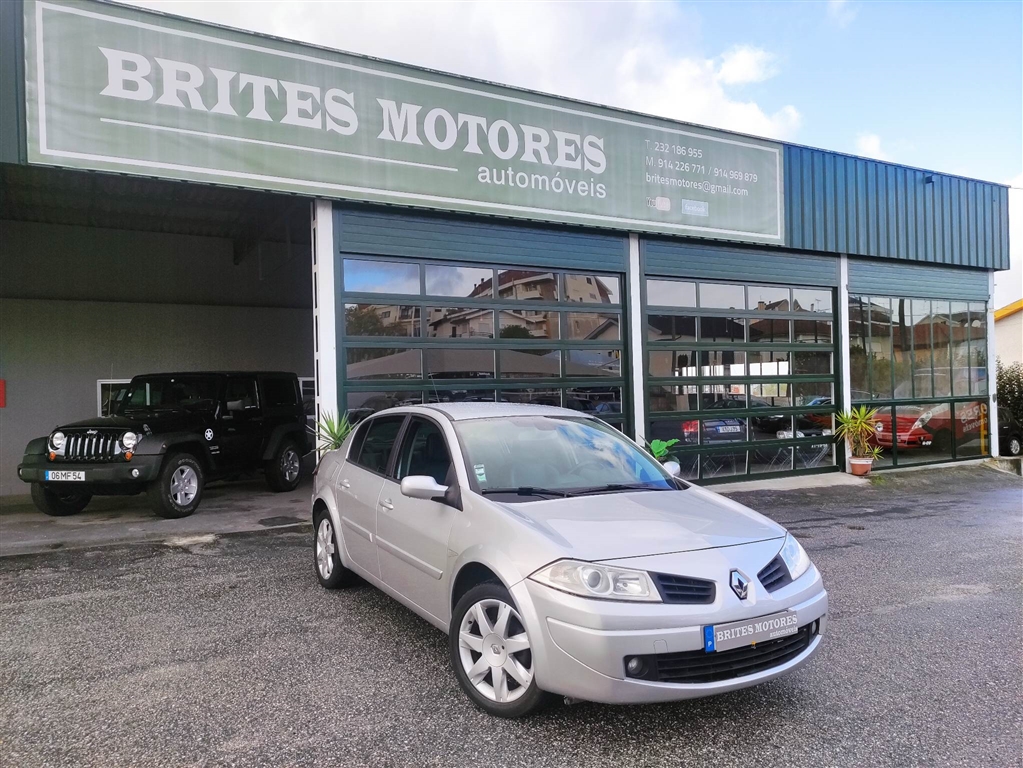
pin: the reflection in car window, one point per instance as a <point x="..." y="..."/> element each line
<point x="556" y="453"/>
<point x="375" y="448"/>
<point x="424" y="452"/>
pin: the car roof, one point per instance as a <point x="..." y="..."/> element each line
<point x="467" y="411"/>
<point x="211" y="373"/>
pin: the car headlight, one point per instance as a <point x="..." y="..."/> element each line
<point x="601" y="581"/>
<point x="795" y="557"/>
<point x="57" y="440"/>
<point x="129" y="440"/>
<point x="921" y="422"/>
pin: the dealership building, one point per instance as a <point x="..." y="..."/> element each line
<point x="181" y="196"/>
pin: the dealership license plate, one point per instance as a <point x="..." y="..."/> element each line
<point x="62" y="476"/>
<point x="729" y="429"/>
<point x="737" y="634"/>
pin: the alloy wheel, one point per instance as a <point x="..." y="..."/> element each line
<point x="1015" y="447"/>
<point x="184" y="485"/>
<point x="494" y="651"/>
<point x="290" y="464"/>
<point x="325" y="548"/>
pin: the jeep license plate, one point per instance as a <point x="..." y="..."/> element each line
<point x="61" y="476"/>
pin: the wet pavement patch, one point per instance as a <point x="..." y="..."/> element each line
<point x="279" y="520"/>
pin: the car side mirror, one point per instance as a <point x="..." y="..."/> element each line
<point x="422" y="487"/>
<point x="673" y="468"/>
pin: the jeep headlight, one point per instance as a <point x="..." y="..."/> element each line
<point x="795" y="557"/>
<point x="56" y="441"/>
<point x="129" y="440"/>
<point x="601" y="581"/>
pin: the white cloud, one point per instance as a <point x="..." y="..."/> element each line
<point x="625" y="55"/>
<point x="842" y="12"/>
<point x="869" y="145"/>
<point x="745" y="64"/>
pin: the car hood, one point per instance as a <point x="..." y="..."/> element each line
<point x="142" y="421"/>
<point x="620" y="525"/>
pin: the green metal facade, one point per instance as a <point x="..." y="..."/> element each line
<point x="841" y="204"/>
<point x="873" y="277"/>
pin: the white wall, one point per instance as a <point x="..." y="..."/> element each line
<point x="166" y="302"/>
<point x="1009" y="338"/>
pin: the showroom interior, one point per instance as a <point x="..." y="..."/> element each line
<point x="866" y="282"/>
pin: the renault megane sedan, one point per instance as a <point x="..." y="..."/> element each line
<point x="561" y="558"/>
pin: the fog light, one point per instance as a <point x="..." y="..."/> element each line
<point x="634" y="666"/>
<point x="135" y="473"/>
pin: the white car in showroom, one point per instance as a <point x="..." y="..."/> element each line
<point x="561" y="558"/>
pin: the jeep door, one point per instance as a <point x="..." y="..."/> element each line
<point x="241" y="423"/>
<point x="358" y="487"/>
<point x="412" y="534"/>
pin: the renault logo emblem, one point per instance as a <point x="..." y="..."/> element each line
<point x="739" y="584"/>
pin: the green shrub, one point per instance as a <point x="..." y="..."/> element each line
<point x="1009" y="389"/>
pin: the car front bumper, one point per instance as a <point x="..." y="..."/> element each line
<point x="579" y="645"/>
<point x="141" y="469"/>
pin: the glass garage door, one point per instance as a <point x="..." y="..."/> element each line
<point x="417" y="331"/>
<point x="740" y="378"/>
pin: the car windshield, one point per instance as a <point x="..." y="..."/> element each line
<point x="552" y="456"/>
<point x="151" y="393"/>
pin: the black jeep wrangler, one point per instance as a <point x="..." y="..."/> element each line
<point x="170" y="434"/>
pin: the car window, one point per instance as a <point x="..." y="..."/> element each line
<point x="557" y="453"/>
<point x="278" y="392"/>
<point x="377" y="441"/>
<point x="424" y="451"/>
<point x="240" y="394"/>
<point x="169" y="392"/>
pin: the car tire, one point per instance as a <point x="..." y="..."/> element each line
<point x="284" y="470"/>
<point x="479" y="652"/>
<point x="178" y="490"/>
<point x="59" y="503"/>
<point x="326" y="553"/>
<point x="1015" y="446"/>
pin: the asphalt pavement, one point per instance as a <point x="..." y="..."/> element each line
<point x="223" y="650"/>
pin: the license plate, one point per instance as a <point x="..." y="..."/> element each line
<point x="729" y="429"/>
<point x="62" y="476"/>
<point x="738" y="634"/>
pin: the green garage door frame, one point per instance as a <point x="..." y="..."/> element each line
<point x="887" y="278"/>
<point x="757" y="265"/>
<point x="383" y="233"/>
<point x="362" y="231"/>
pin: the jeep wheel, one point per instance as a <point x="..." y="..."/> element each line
<point x="59" y="503"/>
<point x="178" y="490"/>
<point x="284" y="470"/>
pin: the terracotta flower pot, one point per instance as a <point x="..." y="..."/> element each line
<point x="860" y="466"/>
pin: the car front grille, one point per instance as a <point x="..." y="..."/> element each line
<point x="774" y="575"/>
<point x="704" y="667"/>
<point x="682" y="589"/>
<point x="91" y="445"/>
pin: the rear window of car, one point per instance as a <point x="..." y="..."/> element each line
<point x="279" y="392"/>
<point x="372" y="446"/>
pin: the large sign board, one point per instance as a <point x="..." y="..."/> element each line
<point x="119" y="89"/>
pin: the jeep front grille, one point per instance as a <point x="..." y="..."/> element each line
<point x="91" y="445"/>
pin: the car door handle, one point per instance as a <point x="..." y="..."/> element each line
<point x="386" y="504"/>
<point x="345" y="484"/>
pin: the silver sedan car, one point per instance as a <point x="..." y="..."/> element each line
<point x="561" y="558"/>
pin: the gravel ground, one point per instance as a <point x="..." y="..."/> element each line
<point x="225" y="651"/>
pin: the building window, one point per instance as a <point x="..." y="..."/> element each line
<point x="424" y="331"/>
<point x="741" y="375"/>
<point x="922" y="363"/>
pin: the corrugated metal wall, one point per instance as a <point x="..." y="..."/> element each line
<point x="889" y="278"/>
<point x="683" y="259"/>
<point x="862" y="207"/>
<point x="397" y="233"/>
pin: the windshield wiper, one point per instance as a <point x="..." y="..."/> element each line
<point x="528" y="490"/>
<point x="612" y="487"/>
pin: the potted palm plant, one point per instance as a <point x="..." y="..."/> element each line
<point x="858" y="427"/>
